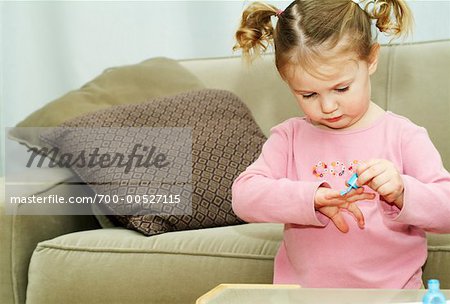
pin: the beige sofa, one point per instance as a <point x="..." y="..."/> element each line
<point x="70" y="259"/>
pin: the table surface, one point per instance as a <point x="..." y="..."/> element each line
<point x="281" y="294"/>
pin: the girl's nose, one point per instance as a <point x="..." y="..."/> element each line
<point x="329" y="105"/>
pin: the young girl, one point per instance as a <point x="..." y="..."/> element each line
<point x="371" y="237"/>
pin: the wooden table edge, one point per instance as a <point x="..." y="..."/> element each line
<point x="216" y="290"/>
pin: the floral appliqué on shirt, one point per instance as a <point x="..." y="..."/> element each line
<point x="335" y="168"/>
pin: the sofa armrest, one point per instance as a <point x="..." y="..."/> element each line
<point x="19" y="235"/>
<point x="438" y="262"/>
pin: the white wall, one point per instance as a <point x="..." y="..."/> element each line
<point x="49" y="48"/>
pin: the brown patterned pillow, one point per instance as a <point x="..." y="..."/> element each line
<point x="225" y="140"/>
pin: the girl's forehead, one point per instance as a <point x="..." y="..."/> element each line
<point x="323" y="73"/>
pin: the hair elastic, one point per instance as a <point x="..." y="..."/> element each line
<point x="279" y="12"/>
<point x="360" y="3"/>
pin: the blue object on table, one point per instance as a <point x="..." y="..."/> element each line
<point x="351" y="184"/>
<point x="434" y="295"/>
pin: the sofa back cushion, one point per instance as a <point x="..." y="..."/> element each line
<point x="411" y="80"/>
<point x="129" y="84"/>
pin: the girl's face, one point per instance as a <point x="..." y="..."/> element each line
<point x="339" y="100"/>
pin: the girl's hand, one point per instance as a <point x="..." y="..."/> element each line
<point x="330" y="203"/>
<point x="383" y="177"/>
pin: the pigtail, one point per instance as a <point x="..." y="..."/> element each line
<point x="255" y="32"/>
<point x="393" y="17"/>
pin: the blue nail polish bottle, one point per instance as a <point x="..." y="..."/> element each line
<point x="351" y="184"/>
<point x="434" y="295"/>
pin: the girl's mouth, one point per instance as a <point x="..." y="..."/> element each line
<point x="335" y="119"/>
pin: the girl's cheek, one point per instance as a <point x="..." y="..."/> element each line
<point x="302" y="105"/>
<point x="307" y="109"/>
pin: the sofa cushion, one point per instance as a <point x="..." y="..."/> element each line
<point x="129" y="84"/>
<point x="419" y="89"/>
<point x="225" y="140"/>
<point x="437" y="265"/>
<point x="411" y="80"/>
<point x="122" y="266"/>
<point x="19" y="233"/>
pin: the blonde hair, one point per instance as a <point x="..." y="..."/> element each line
<point x="307" y="30"/>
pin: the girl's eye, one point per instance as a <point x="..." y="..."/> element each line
<point x="342" y="89"/>
<point x="308" y="96"/>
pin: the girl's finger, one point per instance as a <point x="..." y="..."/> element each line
<point x="358" y="191"/>
<point x="366" y="196"/>
<point x="354" y="192"/>
<point x="353" y="208"/>
<point x="389" y="191"/>
<point x="359" y="194"/>
<point x="334" y="202"/>
<point x="339" y="222"/>
<point x="379" y="180"/>
<point x="332" y="194"/>
<point x="366" y="165"/>
<point x="372" y="170"/>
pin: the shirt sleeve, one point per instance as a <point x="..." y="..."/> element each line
<point x="263" y="193"/>
<point x="426" y="202"/>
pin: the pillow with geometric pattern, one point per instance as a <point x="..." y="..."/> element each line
<point x="223" y="142"/>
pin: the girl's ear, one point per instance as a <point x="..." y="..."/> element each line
<point x="373" y="58"/>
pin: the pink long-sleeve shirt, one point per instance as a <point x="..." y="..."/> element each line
<point x="389" y="252"/>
